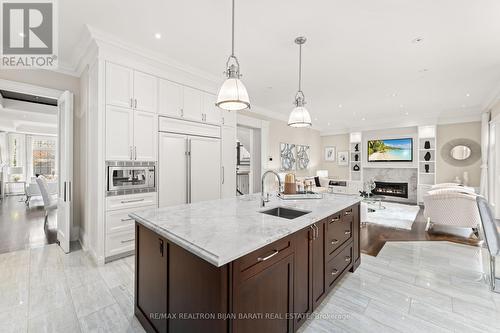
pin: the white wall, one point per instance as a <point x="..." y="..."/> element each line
<point x="446" y="172"/>
<point x="341" y="143"/>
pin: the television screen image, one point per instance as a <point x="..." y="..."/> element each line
<point x="390" y="150"/>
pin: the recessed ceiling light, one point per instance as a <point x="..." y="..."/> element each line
<point x="316" y="118"/>
<point x="340" y="105"/>
<point x="363" y="119"/>
<point x="158" y="35"/>
<point x="401" y="106"/>
<point x="417" y="40"/>
<point x="406" y="113"/>
<point x="394" y="94"/>
<point x="328" y="124"/>
<point x="467" y="95"/>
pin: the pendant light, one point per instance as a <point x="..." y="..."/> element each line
<point x="299" y="117"/>
<point x="232" y="94"/>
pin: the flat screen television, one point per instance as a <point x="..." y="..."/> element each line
<point x="390" y="150"/>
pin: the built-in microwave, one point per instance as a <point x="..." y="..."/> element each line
<point x="127" y="177"/>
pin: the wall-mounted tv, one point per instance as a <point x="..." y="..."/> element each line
<point x="390" y="150"/>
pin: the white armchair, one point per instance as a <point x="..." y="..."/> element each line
<point x="451" y="206"/>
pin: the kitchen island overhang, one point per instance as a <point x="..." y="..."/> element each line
<point x="224" y="266"/>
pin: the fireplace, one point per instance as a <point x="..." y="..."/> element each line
<point x="392" y="189"/>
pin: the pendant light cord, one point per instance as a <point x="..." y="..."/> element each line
<point x="232" y="40"/>
<point x="300" y="67"/>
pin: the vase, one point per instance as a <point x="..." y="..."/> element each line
<point x="356" y="147"/>
<point x="427" y="156"/>
<point x="356" y="157"/>
<point x="356" y="167"/>
<point x="427" y="145"/>
<point x="426" y="168"/>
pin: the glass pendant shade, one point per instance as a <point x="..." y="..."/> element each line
<point x="233" y="95"/>
<point x="299" y="117"/>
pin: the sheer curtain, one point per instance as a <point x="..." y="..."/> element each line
<point x="29" y="158"/>
<point x="485" y="140"/>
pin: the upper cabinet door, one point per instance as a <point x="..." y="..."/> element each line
<point x="170" y="98"/>
<point x="119" y="133"/>
<point x="212" y="113"/>
<point x="145" y="92"/>
<point x="228" y="117"/>
<point x="119" y="85"/>
<point x="145" y="133"/>
<point x="192" y="104"/>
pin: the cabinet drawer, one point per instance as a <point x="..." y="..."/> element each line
<point x="262" y="258"/>
<point x="339" y="231"/>
<point x="131" y="201"/>
<point x="120" y="242"/>
<point x="119" y="220"/>
<point x="336" y="266"/>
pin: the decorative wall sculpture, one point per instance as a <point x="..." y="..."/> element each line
<point x="287" y="154"/>
<point x="302" y="157"/>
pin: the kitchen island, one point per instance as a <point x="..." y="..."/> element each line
<point x="230" y="265"/>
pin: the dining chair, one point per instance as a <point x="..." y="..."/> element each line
<point x="491" y="231"/>
<point x="49" y="202"/>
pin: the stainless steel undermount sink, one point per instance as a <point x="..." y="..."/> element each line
<point x="286" y="213"/>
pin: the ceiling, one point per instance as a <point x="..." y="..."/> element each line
<point x="361" y="66"/>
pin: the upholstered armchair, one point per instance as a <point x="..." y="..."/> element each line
<point x="453" y="206"/>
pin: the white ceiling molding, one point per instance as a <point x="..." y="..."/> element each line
<point x="409" y="123"/>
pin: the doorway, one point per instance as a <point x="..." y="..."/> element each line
<point x="248" y="160"/>
<point x="36" y="133"/>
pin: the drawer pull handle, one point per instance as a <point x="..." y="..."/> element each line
<point x="269" y="256"/>
<point x="347" y="259"/>
<point x="347" y="232"/>
<point x="335" y="219"/>
<point x="127" y="241"/>
<point x="130" y="201"/>
<point x="125" y="220"/>
<point x="335" y="271"/>
<point x="335" y="241"/>
<point x="349" y="212"/>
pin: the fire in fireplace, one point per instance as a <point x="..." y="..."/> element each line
<point x="392" y="189"/>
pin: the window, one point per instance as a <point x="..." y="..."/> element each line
<point x="44" y="156"/>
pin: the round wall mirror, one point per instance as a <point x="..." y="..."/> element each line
<point x="460" y="152"/>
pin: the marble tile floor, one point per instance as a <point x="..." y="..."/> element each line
<point x="409" y="287"/>
<point x="412" y="287"/>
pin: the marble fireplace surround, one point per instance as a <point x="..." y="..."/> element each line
<point x="400" y="175"/>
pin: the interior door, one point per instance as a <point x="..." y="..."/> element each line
<point x="145" y="130"/>
<point x="205" y="168"/>
<point x="173" y="167"/>
<point x="65" y="169"/>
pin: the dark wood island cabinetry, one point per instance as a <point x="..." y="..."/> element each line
<point x="272" y="289"/>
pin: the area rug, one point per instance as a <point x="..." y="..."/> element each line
<point x="394" y="215"/>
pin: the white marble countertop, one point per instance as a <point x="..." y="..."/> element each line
<point x="221" y="231"/>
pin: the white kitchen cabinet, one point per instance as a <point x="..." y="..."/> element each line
<point x="145" y="92"/>
<point x="173" y="166"/>
<point x="119" y="85"/>
<point x="145" y="133"/>
<point x="228" y="118"/>
<point x="205" y="168"/>
<point x="130" y="134"/>
<point x="228" y="181"/>
<point x="131" y="89"/>
<point x="119" y="133"/>
<point x="170" y="99"/>
<point x="192" y="104"/>
<point x="211" y="112"/>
